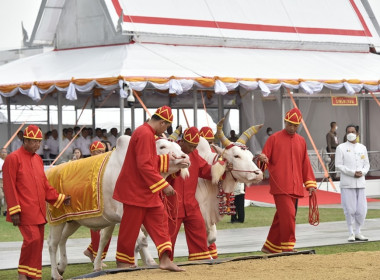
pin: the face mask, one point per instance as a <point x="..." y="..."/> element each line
<point x="336" y="128"/>
<point x="270" y="133"/>
<point x="351" y="137"/>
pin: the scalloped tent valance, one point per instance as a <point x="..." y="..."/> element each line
<point x="179" y="69"/>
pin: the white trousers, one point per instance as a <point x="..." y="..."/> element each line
<point x="354" y="203"/>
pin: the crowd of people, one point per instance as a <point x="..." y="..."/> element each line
<point x="79" y="148"/>
<point x="284" y="154"/>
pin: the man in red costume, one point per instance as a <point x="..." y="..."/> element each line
<point x="138" y="187"/>
<point x="206" y="133"/>
<point x="96" y="148"/>
<point x="27" y="190"/>
<point x="285" y="154"/>
<point x="184" y="206"/>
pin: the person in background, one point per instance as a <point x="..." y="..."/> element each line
<point x="3" y="202"/>
<point x="83" y="142"/>
<point x="112" y="138"/>
<point x="266" y="136"/>
<point x="98" y="135"/>
<point x="77" y="154"/>
<point x="128" y="131"/>
<point x="206" y="133"/>
<point x="332" y="143"/>
<point x="138" y="187"/>
<point x="239" y="193"/>
<point x="17" y="142"/>
<point x="27" y="190"/>
<point x="233" y="136"/>
<point x="46" y="148"/>
<point x="352" y="161"/>
<point x="68" y="154"/>
<point x="357" y="138"/>
<point x="108" y="145"/>
<point x="285" y="154"/>
<point x="53" y="143"/>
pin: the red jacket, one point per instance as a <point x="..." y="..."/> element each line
<point x="289" y="165"/>
<point x="27" y="189"/>
<point x="139" y="181"/>
<point x="186" y="188"/>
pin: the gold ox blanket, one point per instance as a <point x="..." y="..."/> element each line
<point x="82" y="179"/>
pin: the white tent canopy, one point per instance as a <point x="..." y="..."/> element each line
<point x="183" y="67"/>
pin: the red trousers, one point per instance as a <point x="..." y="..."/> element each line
<point x="30" y="263"/>
<point x="155" y="221"/>
<point x="281" y="236"/>
<point x="94" y="245"/>
<point x="196" y="237"/>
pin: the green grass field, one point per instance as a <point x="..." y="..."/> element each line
<point x="254" y="217"/>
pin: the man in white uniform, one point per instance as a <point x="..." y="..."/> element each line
<point x="3" y="203"/>
<point x="351" y="160"/>
<point x="83" y="142"/>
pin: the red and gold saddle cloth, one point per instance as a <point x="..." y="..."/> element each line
<point x="82" y="179"/>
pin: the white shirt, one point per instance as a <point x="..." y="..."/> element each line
<point x="53" y="145"/>
<point x="68" y="154"/>
<point x="16" y="144"/>
<point x="83" y="144"/>
<point x="239" y="189"/>
<point x="350" y="158"/>
<point x="112" y="140"/>
<point x="1" y="168"/>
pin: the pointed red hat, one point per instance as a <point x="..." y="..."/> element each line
<point x="206" y="132"/>
<point x="191" y="135"/>
<point x="165" y="113"/>
<point x="97" y="145"/>
<point x="293" y="116"/>
<point x="33" y="132"/>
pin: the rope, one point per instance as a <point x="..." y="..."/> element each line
<point x="84" y="107"/>
<point x="204" y="108"/>
<point x="374" y="97"/>
<point x="184" y="114"/>
<point x="313" y="209"/>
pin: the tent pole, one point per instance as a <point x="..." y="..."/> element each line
<point x="282" y="107"/>
<point x="9" y="117"/>
<point x="121" y="106"/>
<point x="367" y="131"/>
<point x="195" y="108"/>
<point x="178" y="117"/>
<point x="362" y="129"/>
<point x="60" y="128"/>
<point x="133" y="117"/>
<point x="48" y="117"/>
<point x="93" y="113"/>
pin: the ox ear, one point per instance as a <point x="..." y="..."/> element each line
<point x="217" y="149"/>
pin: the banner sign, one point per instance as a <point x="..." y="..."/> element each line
<point x="344" y="101"/>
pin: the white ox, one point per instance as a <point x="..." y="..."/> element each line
<point x="113" y="210"/>
<point x="244" y="171"/>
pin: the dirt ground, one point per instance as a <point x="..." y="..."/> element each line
<point x="358" y="265"/>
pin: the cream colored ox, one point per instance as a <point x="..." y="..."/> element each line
<point x="112" y="210"/>
<point x="244" y="170"/>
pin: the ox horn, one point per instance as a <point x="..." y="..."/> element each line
<point x="220" y="134"/>
<point x="174" y="136"/>
<point x="246" y="135"/>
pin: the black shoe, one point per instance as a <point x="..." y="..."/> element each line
<point x="4" y="213"/>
